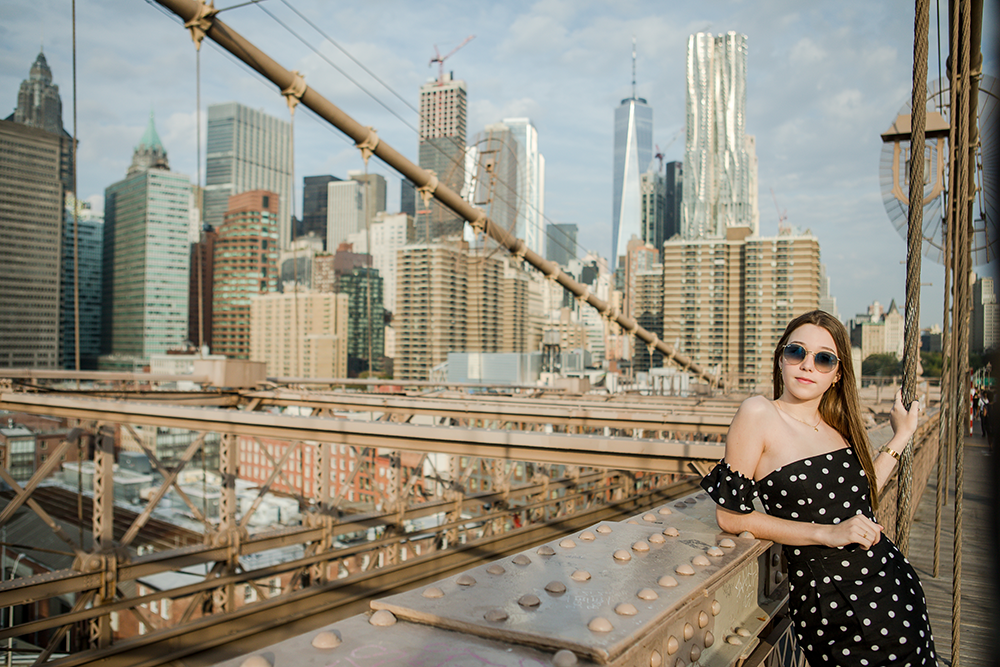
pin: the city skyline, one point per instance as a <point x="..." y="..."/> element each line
<point x="815" y="117"/>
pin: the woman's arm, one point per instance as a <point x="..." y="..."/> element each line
<point x="744" y="448"/>
<point x="904" y="425"/>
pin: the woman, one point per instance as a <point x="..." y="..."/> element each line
<point x="854" y="598"/>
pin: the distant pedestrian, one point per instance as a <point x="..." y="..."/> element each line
<point x="985" y="409"/>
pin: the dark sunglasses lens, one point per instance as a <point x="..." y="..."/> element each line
<point x="826" y="361"/>
<point x="794" y="354"/>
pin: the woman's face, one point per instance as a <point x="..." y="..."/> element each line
<point x="803" y="380"/>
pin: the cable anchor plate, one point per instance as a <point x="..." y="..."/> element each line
<point x="202" y="22"/>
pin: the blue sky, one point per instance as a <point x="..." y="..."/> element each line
<point x="825" y="79"/>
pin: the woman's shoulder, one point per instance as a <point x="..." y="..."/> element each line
<point x="756" y="407"/>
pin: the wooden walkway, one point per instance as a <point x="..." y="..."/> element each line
<point x="980" y="613"/>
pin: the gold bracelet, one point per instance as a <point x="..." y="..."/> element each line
<point x="891" y="452"/>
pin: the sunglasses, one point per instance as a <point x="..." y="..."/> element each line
<point x="825" y="362"/>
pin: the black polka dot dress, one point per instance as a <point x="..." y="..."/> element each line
<point x="850" y="606"/>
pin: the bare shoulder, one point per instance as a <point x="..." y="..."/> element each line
<point x="755" y="409"/>
<point x="746" y="440"/>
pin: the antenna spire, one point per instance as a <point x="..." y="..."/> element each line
<point x="633" y="67"/>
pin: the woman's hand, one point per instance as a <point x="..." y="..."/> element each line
<point x="859" y="529"/>
<point x="903" y="421"/>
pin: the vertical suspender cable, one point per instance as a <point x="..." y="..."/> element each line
<point x="961" y="303"/>
<point x="914" y="244"/>
<point x="944" y="457"/>
<point x="201" y="235"/>
<point x="76" y="223"/>
<point x="371" y="266"/>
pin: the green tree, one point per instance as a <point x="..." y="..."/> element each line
<point x="933" y="363"/>
<point x="882" y="365"/>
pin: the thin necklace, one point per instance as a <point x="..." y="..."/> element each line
<point x="815" y="428"/>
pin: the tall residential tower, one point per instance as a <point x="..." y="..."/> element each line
<point x="442" y="150"/>
<point x="720" y="178"/>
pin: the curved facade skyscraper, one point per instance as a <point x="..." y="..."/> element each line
<point x="633" y="153"/>
<point x="720" y="179"/>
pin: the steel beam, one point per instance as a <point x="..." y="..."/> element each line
<point x="659" y="456"/>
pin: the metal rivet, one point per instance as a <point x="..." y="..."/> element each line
<point x="649" y="517"/>
<point x="680" y="505"/>
<point x="382" y="618"/>
<point x="495" y="568"/>
<point x="701" y="560"/>
<point x="647" y="594"/>
<point x="580" y="575"/>
<point x="529" y="601"/>
<point x="621" y="554"/>
<point x="567" y="544"/>
<point x="747" y="534"/>
<point x="555" y="587"/>
<point x="465" y="580"/>
<point x="641" y="545"/>
<point x="655" y="659"/>
<point x="587" y="536"/>
<point x="495" y="615"/>
<point x="326" y="639"/>
<point x="604" y="529"/>
<point x="256" y="661"/>
<point x="626" y="609"/>
<point x="545" y="550"/>
<point x="716" y="607"/>
<point x="684" y="569"/>
<point x="702" y="619"/>
<point x="743" y="632"/>
<point x="726" y="543"/>
<point x="520" y="559"/>
<point x="665" y="510"/>
<point x="690" y="501"/>
<point x="688" y="631"/>
<point x="734" y="640"/>
<point x="632" y="522"/>
<point x="600" y="624"/>
<point x="564" y="658"/>
<point x="657" y="538"/>
<point x="433" y="593"/>
<point x="672" y="645"/>
<point x="695" y="652"/>
<point x="715" y="552"/>
<point x="670" y="531"/>
<point x="702" y="496"/>
<point x="709" y="639"/>
<point x="667" y="581"/>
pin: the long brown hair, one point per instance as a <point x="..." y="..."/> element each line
<point x="840" y="406"/>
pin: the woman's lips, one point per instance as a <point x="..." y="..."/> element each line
<point x="805" y="381"/>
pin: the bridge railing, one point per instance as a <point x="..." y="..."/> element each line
<point x="437" y="498"/>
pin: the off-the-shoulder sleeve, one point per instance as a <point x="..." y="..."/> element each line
<point x="730" y="489"/>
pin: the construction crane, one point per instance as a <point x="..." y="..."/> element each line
<point x="659" y="155"/>
<point x="782" y="214"/>
<point x="439" y="59"/>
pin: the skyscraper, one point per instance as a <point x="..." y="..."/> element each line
<point x="359" y="325"/>
<point x="247" y="149"/>
<point x="246" y="264"/>
<point x="39" y="106"/>
<point x="90" y="245"/>
<point x="653" y="187"/>
<point x="443" y="135"/>
<point x="633" y="153"/>
<point x="301" y="334"/>
<point x="30" y="225"/>
<point x="720" y="180"/>
<point x="674" y="188"/>
<point x="492" y="179"/>
<point x="530" y="185"/>
<point x="314" y="205"/>
<point x="348" y="202"/>
<point x="560" y="246"/>
<point x="146" y="260"/>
